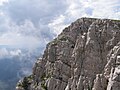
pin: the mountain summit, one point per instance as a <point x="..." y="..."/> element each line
<point x="85" y="56"/>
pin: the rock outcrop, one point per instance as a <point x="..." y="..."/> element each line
<point x="85" y="56"/>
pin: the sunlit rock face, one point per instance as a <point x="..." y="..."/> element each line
<point x="85" y="56"/>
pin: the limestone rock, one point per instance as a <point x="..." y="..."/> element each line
<point x="85" y="56"/>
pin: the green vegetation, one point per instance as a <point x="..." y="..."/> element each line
<point x="63" y="38"/>
<point x="115" y="20"/>
<point x="44" y="78"/>
<point x="54" y="42"/>
<point x="89" y="88"/>
<point x="30" y="77"/>
<point x="26" y="82"/>
<point x="44" y="86"/>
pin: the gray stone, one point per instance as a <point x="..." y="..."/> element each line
<point x="85" y="56"/>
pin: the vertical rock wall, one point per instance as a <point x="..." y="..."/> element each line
<point x="85" y="56"/>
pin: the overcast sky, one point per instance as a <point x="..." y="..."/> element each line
<point x="30" y="24"/>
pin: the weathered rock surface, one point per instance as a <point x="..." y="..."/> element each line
<point x="85" y="56"/>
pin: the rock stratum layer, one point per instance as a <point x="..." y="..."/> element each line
<point x="85" y="56"/>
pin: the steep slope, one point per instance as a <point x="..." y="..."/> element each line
<point x="85" y="56"/>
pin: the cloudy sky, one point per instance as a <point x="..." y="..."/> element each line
<point x="31" y="24"/>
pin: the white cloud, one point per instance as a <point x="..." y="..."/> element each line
<point x="31" y="24"/>
<point x="86" y="8"/>
<point x="105" y="9"/>
<point x="3" y="52"/>
<point x="35" y="10"/>
<point x="3" y="1"/>
<point x="22" y="36"/>
<point x="15" y="52"/>
<point x="57" y="25"/>
<point x="29" y="30"/>
<point x="75" y="9"/>
<point x="25" y="24"/>
<point x="94" y="8"/>
<point x="20" y="41"/>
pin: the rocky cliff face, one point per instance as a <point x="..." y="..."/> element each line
<point x="85" y="56"/>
